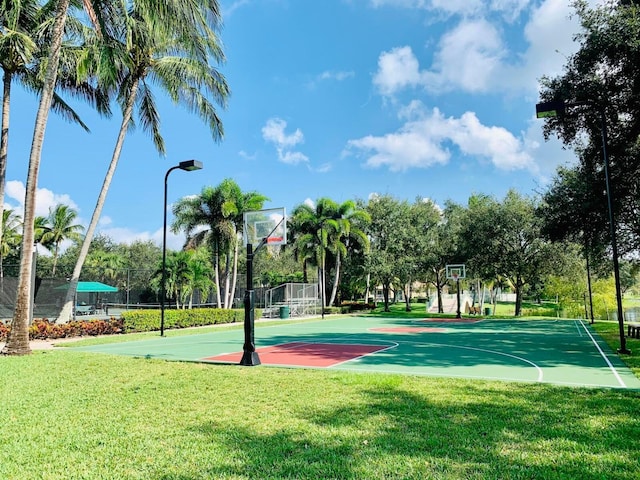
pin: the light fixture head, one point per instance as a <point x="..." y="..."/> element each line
<point x="190" y="165"/>
<point x="555" y="108"/>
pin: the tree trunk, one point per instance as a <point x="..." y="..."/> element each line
<point x="407" y="297"/>
<point x="18" y="339"/>
<point x="216" y="268"/>
<point x="385" y="295"/>
<point x="366" y="292"/>
<point x="235" y="274"/>
<point x="4" y="144"/>
<point x="334" y="290"/>
<point x="518" y="285"/>
<point x="65" y="314"/>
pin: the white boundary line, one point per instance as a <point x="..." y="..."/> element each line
<point x="606" y="359"/>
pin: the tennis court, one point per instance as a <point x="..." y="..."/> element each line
<point x="564" y="352"/>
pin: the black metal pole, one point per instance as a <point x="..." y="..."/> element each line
<point x="250" y="357"/>
<point x="614" y="243"/>
<point x="458" y="313"/>
<point x="164" y="253"/>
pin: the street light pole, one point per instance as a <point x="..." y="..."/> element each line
<point x="558" y="108"/>
<point x="187" y="165"/>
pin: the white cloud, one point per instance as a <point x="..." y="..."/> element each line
<point x="474" y="56"/>
<point x="338" y="76"/>
<point x="45" y="198"/>
<point x="424" y="142"/>
<point x="105" y="220"/>
<point x="274" y="132"/>
<point x="470" y="58"/>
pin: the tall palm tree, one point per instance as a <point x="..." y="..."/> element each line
<point x="325" y="232"/>
<point x="198" y="275"/>
<point x="169" y="44"/>
<point x="220" y="211"/>
<point x="18" y="339"/>
<point x="61" y="227"/>
<point x="10" y="241"/>
<point x="346" y="236"/>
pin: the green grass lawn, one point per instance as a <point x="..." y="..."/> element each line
<point x="73" y="415"/>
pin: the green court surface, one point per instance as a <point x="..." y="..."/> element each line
<point x="564" y="352"/>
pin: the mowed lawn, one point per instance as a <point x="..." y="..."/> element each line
<point x="73" y="415"/>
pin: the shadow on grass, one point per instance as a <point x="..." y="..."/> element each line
<point x="398" y="434"/>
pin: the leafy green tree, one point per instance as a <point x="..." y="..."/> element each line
<point x="18" y="339"/>
<point x="214" y="218"/>
<point x="60" y="227"/>
<point x="10" y="240"/>
<point x="198" y="276"/>
<point x="170" y="47"/>
<point x="600" y="80"/>
<point x="439" y="238"/>
<point x="324" y="234"/>
<point x="390" y="237"/>
<point x="505" y="238"/>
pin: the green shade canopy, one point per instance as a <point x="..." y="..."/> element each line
<point x="85" y="287"/>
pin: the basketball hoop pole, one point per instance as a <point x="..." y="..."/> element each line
<point x="250" y="357"/>
<point x="458" y="314"/>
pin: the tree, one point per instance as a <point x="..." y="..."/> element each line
<point x="220" y="211"/>
<point x="24" y="42"/>
<point x="18" y="339"/>
<point x="390" y="238"/>
<point x="504" y="238"/>
<point x="10" y="240"/>
<point x="170" y="47"/>
<point x="60" y="227"/>
<point x="324" y="233"/>
<point x="601" y="80"/>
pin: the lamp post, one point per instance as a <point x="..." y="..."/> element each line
<point x="187" y="165"/>
<point x="557" y="108"/>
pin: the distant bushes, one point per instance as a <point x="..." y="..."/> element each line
<point x="347" y="307"/>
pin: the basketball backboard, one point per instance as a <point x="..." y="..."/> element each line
<point x="269" y="225"/>
<point x="456" y="272"/>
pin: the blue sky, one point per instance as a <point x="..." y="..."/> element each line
<point x="334" y="98"/>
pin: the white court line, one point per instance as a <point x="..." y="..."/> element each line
<point x="575" y="322"/>
<point x="606" y="359"/>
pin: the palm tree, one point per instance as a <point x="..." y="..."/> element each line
<point x="105" y="265"/>
<point x="346" y="236"/>
<point x="61" y="227"/>
<point x="11" y="238"/>
<point x="327" y="228"/>
<point x="198" y="275"/>
<point x="18" y="339"/>
<point x="170" y="47"/>
<point x="220" y="210"/>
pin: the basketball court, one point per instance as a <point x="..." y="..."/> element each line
<point x="562" y="352"/>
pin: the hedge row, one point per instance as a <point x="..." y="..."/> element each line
<point x="149" y="320"/>
<point x="130" y="321"/>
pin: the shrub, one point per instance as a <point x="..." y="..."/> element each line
<point x="356" y="306"/>
<point x="149" y="320"/>
<point x="42" y="329"/>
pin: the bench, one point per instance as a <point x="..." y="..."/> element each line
<point x="85" y="309"/>
<point x="633" y="330"/>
